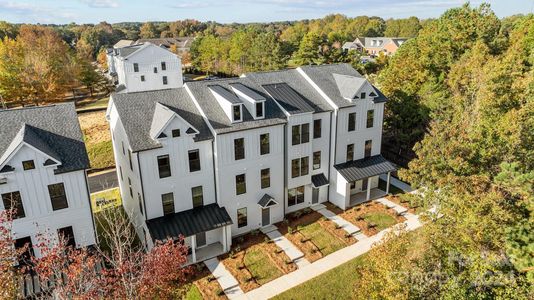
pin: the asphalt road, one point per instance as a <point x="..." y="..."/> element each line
<point x="103" y="181"/>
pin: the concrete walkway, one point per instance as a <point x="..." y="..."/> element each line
<point x="294" y="254"/>
<point x="342" y="223"/>
<point x="322" y="265"/>
<point x="399" y="209"/>
<point x="228" y="283"/>
<point x="394" y="181"/>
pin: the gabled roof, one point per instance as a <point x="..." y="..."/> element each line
<point x="163" y="115"/>
<point x="349" y="85"/>
<point x="364" y="168"/>
<point x="128" y="50"/>
<point x="53" y="130"/>
<point x="247" y="91"/>
<point x="267" y="201"/>
<point x="123" y="43"/>
<point x="225" y="94"/>
<point x="136" y="111"/>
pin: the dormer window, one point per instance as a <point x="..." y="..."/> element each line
<point x="136" y="67"/>
<point x="28" y="165"/>
<point x="175" y="133"/>
<point x="260" y="109"/>
<point x="236" y="113"/>
<point x="362" y="95"/>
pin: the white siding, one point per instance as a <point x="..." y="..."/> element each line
<point x="322" y="144"/>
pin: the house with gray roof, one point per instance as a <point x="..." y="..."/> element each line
<point x="375" y="45"/>
<point x="43" y="165"/>
<point x="215" y="159"/>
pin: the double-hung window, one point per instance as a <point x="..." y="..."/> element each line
<point x="352" y="122"/>
<point x="239" y="148"/>
<point x="197" y="195"/>
<point x="265" y="178"/>
<point x="368" y="147"/>
<point x="58" y="196"/>
<point x="317" y="128"/>
<point x="295" y="196"/>
<point x="163" y="66"/>
<point x="300" y="134"/>
<point x="240" y="184"/>
<point x="316" y="160"/>
<point x="167" y="201"/>
<point x="299" y="167"/>
<point x="13" y="201"/>
<point x="264" y="144"/>
<point x="350" y="152"/>
<point x="136" y="67"/>
<point x="370" y="118"/>
<point x="164" y="166"/>
<point x="165" y="80"/>
<point x="194" y="161"/>
<point x="242" y="217"/>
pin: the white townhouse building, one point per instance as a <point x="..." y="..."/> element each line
<point x="144" y="67"/>
<point x="219" y="158"/>
<point x="43" y="165"/>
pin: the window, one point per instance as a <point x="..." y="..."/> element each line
<point x="239" y="148"/>
<point x="370" y="118"/>
<point x="142" y="77"/>
<point x="130" y="186"/>
<point x="155" y="70"/>
<point x="167" y="201"/>
<point x="175" y="133"/>
<point x="57" y="196"/>
<point x="259" y="110"/>
<point x="265" y="178"/>
<point x="163" y="66"/>
<point x="28" y="165"/>
<point x="299" y="167"/>
<point x="194" y="161"/>
<point x="13" y="201"/>
<point x="67" y="234"/>
<point x="295" y="196"/>
<point x="350" y="152"/>
<point x="300" y="134"/>
<point x="140" y="200"/>
<point x="136" y="67"/>
<point x="362" y="96"/>
<point x="368" y="148"/>
<point x="236" y="112"/>
<point x="165" y="80"/>
<point x="26" y="244"/>
<point x="240" y="184"/>
<point x="352" y="121"/>
<point x="264" y="144"/>
<point x="316" y="129"/>
<point x="120" y="171"/>
<point x="242" y="217"/>
<point x="123" y="151"/>
<point x="130" y="159"/>
<point x="197" y="195"/>
<point x="164" y="166"/>
<point x="316" y="160"/>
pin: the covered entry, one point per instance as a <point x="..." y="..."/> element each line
<point x="319" y="182"/>
<point x="265" y="203"/>
<point x="206" y="229"/>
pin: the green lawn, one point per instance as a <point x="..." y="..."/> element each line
<point x="261" y="267"/>
<point x="324" y="240"/>
<point x="100" y="103"/>
<point x="380" y="219"/>
<point x="337" y="283"/>
<point x="106" y="199"/>
<point x="100" y="155"/>
<point x="193" y="293"/>
<point x="392" y="189"/>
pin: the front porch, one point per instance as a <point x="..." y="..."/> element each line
<point x="205" y="253"/>
<point x="363" y="197"/>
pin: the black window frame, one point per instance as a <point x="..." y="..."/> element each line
<point x="18" y="206"/>
<point x="61" y="198"/>
<point x="142" y="78"/>
<point x="305" y="133"/>
<point x="67" y="233"/>
<point x="370" y="118"/>
<point x="295" y="168"/>
<point x="241" y="184"/>
<point x="163" y="66"/>
<point x="169" y="204"/>
<point x="260" y="105"/>
<point x="363" y="95"/>
<point x="28" y="165"/>
<point x="155" y="70"/>
<point x="194" y="163"/>
<point x="237" y="113"/>
<point x="350" y="152"/>
<point x="140" y="201"/>
<point x="265" y="178"/>
<point x="136" y="67"/>
<point x="295" y="196"/>
<point x="239" y="148"/>
<point x="176" y="133"/>
<point x="300" y="166"/>
<point x="242" y="217"/>
<point x="316" y="160"/>
<point x="165" y="80"/>
<point x="130" y="187"/>
<point x="317" y="128"/>
<point x="368" y="148"/>
<point x="295" y="135"/>
<point x="164" y="173"/>
<point x="351" y="122"/>
<point x="196" y="196"/>
<point x="265" y="147"/>
<point x="130" y="159"/>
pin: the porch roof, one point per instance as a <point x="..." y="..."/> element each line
<point x="189" y="222"/>
<point x="319" y="180"/>
<point x="364" y="168"/>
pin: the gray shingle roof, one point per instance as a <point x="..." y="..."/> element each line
<point x="364" y="168"/>
<point x="126" y="51"/>
<point x="189" y="222"/>
<point x="319" y="180"/>
<point x="266" y="201"/>
<point x="218" y="118"/>
<point x="136" y="111"/>
<point x="323" y="76"/>
<point x="53" y="129"/>
<point x="348" y="85"/>
<point x="297" y="82"/>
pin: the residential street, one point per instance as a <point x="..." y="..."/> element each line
<point x="103" y="181"/>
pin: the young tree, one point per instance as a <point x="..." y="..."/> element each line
<point x="148" y="31"/>
<point x="9" y="275"/>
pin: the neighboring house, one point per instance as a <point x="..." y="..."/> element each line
<point x="182" y="44"/>
<point x="123" y="43"/>
<point x="220" y="158"/>
<point x="43" y="165"/>
<point x="375" y="45"/>
<point x="144" y="67"/>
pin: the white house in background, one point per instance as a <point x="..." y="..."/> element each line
<point x="144" y="67"/>
<point x="216" y="159"/>
<point x="43" y="165"/>
<point x="375" y="45"/>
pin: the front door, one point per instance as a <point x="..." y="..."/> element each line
<point x="265" y="217"/>
<point x="365" y="181"/>
<point x="315" y="196"/>
<point x="201" y="239"/>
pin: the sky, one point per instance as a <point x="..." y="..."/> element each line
<point x="228" y="11"/>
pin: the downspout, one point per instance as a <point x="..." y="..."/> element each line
<point x="90" y="206"/>
<point x="142" y="186"/>
<point x="214" y="170"/>
<point x="284" y="192"/>
<point x="330" y="156"/>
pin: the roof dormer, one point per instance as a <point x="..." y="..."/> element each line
<point x="230" y="103"/>
<point x="163" y="116"/>
<point x="252" y="100"/>
<point x="355" y="88"/>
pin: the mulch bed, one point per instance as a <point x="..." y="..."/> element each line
<point x="397" y="199"/>
<point x="234" y="260"/>
<point x="206" y="283"/>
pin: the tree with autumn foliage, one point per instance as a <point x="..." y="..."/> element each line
<point x="8" y="257"/>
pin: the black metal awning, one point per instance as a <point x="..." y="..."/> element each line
<point x="266" y="201"/>
<point x="319" y="180"/>
<point x="364" y="168"/>
<point x="189" y="222"/>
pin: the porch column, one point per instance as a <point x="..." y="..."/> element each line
<point x="387" y="184"/>
<point x="194" y="247"/>
<point x="225" y="242"/>
<point x="368" y="189"/>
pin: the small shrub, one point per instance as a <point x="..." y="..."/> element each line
<point x="347" y="235"/>
<point x="307" y="210"/>
<point x="211" y="278"/>
<point x="220" y="292"/>
<point x="288" y="262"/>
<point x="359" y="218"/>
<point x="314" y="250"/>
<point x="304" y="240"/>
<point x="278" y="251"/>
<point x="337" y="226"/>
<point x="299" y="228"/>
<point x="290" y="230"/>
<point x="371" y="225"/>
<point x="323" y="218"/>
<point x="255" y="232"/>
<point x="357" y="208"/>
<point x="240" y="239"/>
<point x="241" y="266"/>
<point x="297" y="214"/>
<point x="249" y="279"/>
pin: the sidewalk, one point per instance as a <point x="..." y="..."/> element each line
<point x="283" y="243"/>
<point x="322" y="265"/>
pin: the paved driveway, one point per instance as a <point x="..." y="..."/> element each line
<point x="103" y="181"/>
